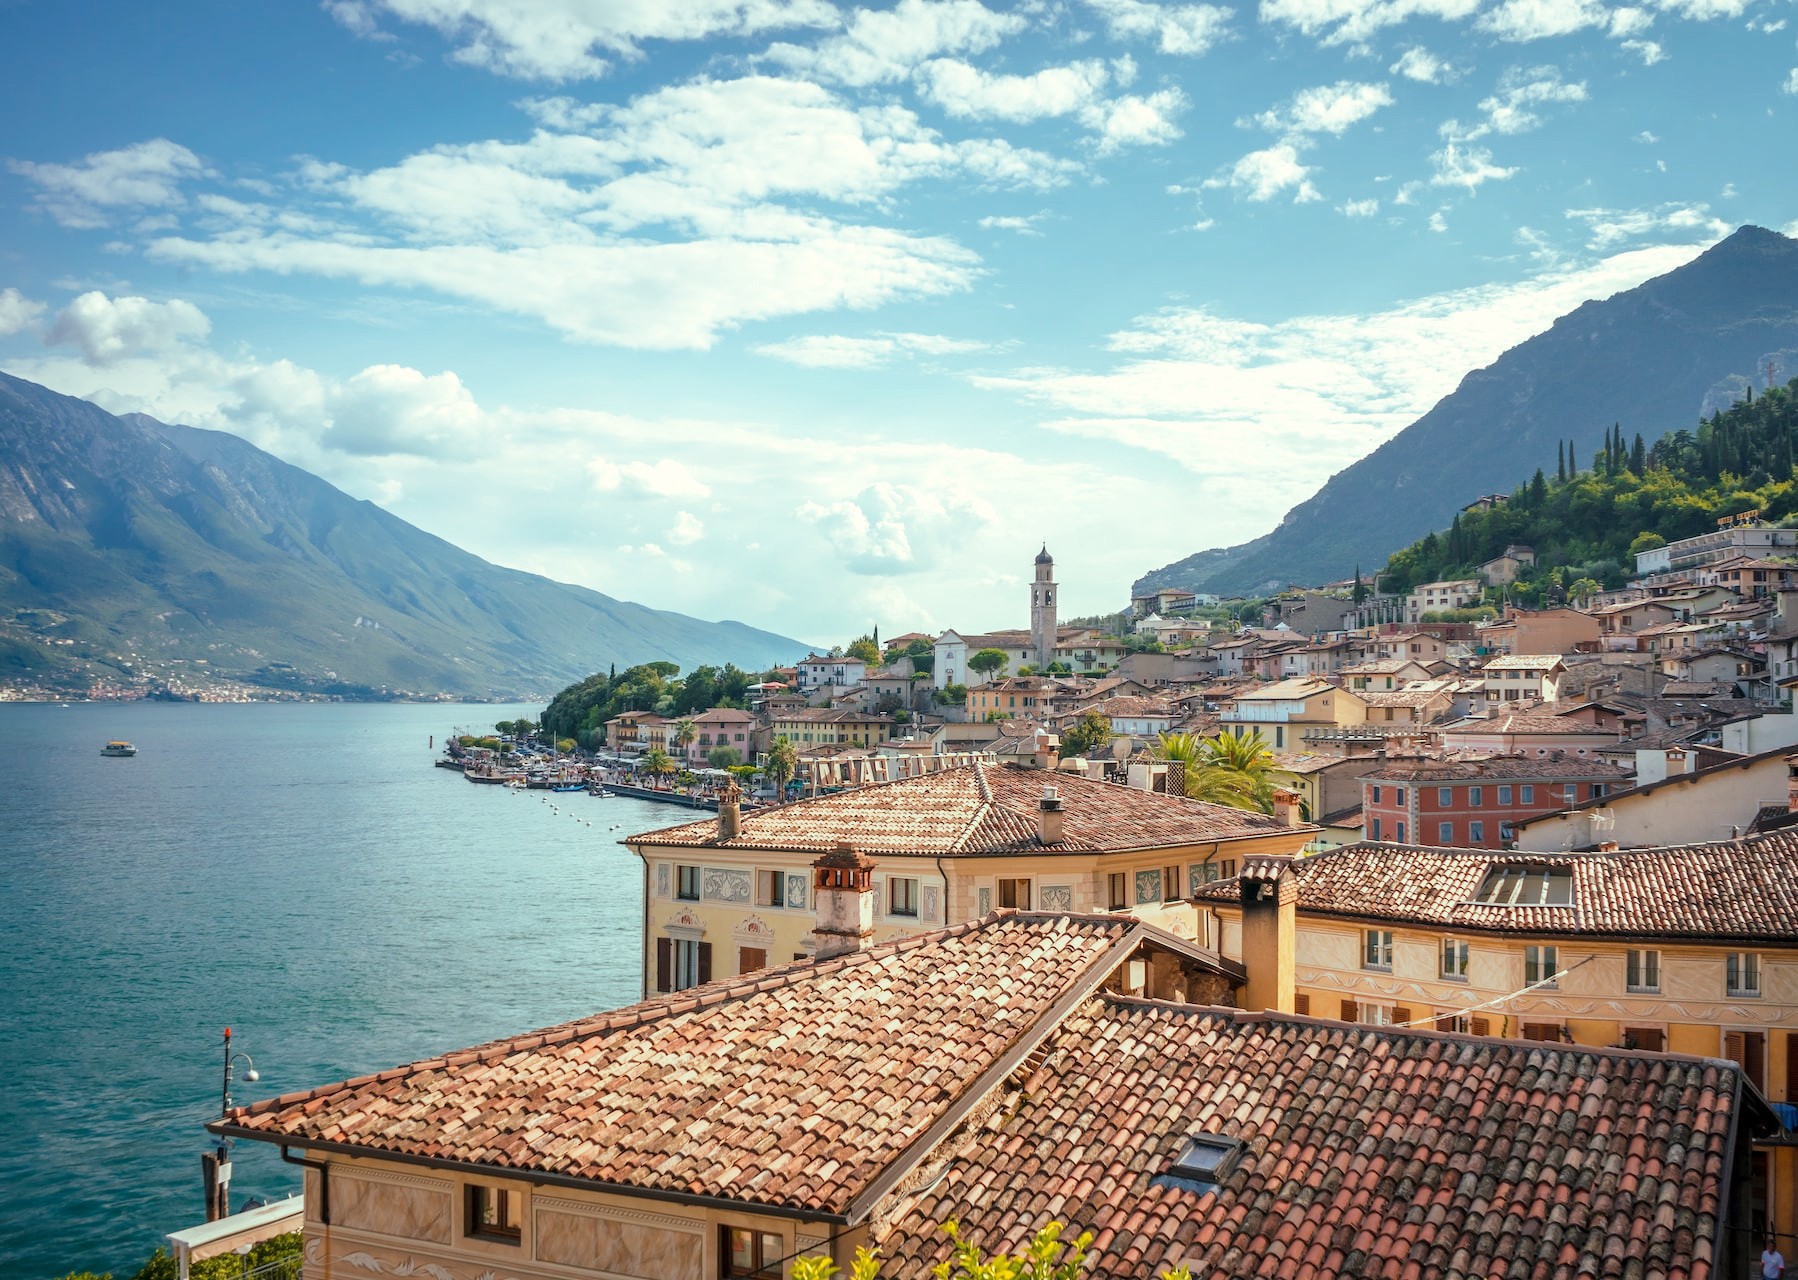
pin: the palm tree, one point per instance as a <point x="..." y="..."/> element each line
<point x="781" y="764"/>
<point x="1230" y="769"/>
<point x="657" y="763"/>
<point x="685" y="731"/>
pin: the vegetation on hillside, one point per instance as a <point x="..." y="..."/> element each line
<point x="581" y="710"/>
<point x="1586" y="526"/>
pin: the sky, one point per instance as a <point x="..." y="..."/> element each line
<point x="818" y="316"/>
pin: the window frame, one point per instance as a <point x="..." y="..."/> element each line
<point x="1457" y="948"/>
<point x="903" y="903"/>
<point x="1008" y="885"/>
<point x="1476" y="797"/>
<point x="1526" y="793"/>
<point x="477" y="1196"/>
<point x="683" y="873"/>
<point x="1445" y="797"/>
<point x="1117" y="890"/>
<point x="761" y="1266"/>
<point x="1640" y="963"/>
<point x="1543" y="961"/>
<point x="1736" y="966"/>
<point x="771" y="892"/>
<point x="1376" y="950"/>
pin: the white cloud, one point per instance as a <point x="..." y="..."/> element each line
<point x="1354" y="21"/>
<point x="1608" y="228"/>
<point x="1135" y="121"/>
<point x="878" y="46"/>
<point x="663" y="478"/>
<point x="1330" y="108"/>
<point x="1791" y="84"/>
<point x="1649" y="51"/>
<point x="1467" y="167"/>
<point x="688" y="529"/>
<point x="1024" y="224"/>
<point x="110" y="329"/>
<point x="966" y="91"/>
<point x="894" y="529"/>
<point x="688" y="210"/>
<point x="1628" y="20"/>
<point x="822" y="351"/>
<point x="17" y="312"/>
<point x="1438" y="222"/>
<point x="1188" y="29"/>
<point x="389" y="409"/>
<point x="1418" y="63"/>
<point x="1524" y="20"/>
<point x="557" y="39"/>
<point x="1262" y="175"/>
<point x="1359" y="208"/>
<point x="145" y="175"/>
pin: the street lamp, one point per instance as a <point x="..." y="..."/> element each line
<point x="215" y="1165"/>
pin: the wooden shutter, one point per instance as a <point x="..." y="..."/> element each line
<point x="1652" y="1039"/>
<point x="1754" y="1060"/>
<point x="1541" y="1031"/>
<point x="749" y="959"/>
<point x="1401" y="1016"/>
<point x="664" y="964"/>
<point x="705" y="963"/>
<point x="1350" y="1011"/>
<point x="1301" y="1004"/>
<point x="1735" y="1047"/>
<point x="1791" y="1066"/>
<point x="1481" y="1026"/>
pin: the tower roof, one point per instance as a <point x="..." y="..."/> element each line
<point x="1043" y="556"/>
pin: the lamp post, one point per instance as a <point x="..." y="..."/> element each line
<point x="215" y="1165"/>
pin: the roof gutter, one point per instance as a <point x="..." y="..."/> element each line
<point x="535" y="1177"/>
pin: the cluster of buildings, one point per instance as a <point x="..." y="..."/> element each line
<point x="1506" y="985"/>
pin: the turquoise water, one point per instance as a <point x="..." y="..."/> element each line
<point x="296" y="872"/>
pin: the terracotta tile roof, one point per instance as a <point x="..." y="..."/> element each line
<point x="1525" y="662"/>
<point x="1732" y="890"/>
<point x="793" y="1087"/>
<point x="1402" y="697"/>
<point x="980" y="809"/>
<point x="1301" y="687"/>
<point x="1368" y="1152"/>
<point x="1500" y="767"/>
<point x="1127" y="706"/>
<point x="1521" y="722"/>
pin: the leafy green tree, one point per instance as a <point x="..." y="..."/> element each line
<point x="988" y="661"/>
<point x="781" y="764"/>
<point x="952" y="694"/>
<point x="723" y="757"/>
<point x="863" y="647"/>
<point x="1047" y="1257"/>
<point x="1234" y="768"/>
<point x="1645" y="542"/>
<point x="1086" y="735"/>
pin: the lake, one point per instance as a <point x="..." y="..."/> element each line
<point x="299" y="873"/>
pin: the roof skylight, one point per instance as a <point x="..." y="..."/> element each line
<point x="1526" y="886"/>
<point x="1207" y="1157"/>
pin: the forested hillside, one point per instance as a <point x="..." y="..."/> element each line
<point x="1587" y="522"/>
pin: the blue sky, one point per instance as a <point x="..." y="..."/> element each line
<point x="817" y="316"/>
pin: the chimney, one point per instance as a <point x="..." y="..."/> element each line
<point x="1049" y="816"/>
<point x="730" y="811"/>
<point x="1679" y="760"/>
<point x="1792" y="783"/>
<point x="1288" y="807"/>
<point x="843" y="894"/>
<point x="1270" y="895"/>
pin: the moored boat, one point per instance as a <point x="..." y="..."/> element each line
<point x="118" y="748"/>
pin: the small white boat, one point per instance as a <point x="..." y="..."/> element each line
<point x="118" y="748"/>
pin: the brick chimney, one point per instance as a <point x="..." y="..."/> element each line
<point x="1288" y="806"/>
<point x="1049" y="815"/>
<point x="843" y="895"/>
<point x="730" y="811"/>
<point x="1270" y="895"/>
<point x="1679" y="760"/>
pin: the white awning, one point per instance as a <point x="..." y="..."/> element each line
<point x="240" y="1230"/>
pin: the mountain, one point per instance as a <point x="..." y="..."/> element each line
<point x="1645" y="358"/>
<point x="130" y="545"/>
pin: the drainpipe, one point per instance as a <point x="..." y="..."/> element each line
<point x="323" y="1168"/>
<point x="643" y="989"/>
<point x="945" y="875"/>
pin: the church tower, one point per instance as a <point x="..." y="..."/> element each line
<point x="1042" y="609"/>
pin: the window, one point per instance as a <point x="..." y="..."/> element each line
<point x="1170" y="884"/>
<point x="1375" y="1015"/>
<point x="1207" y="1157"/>
<point x="495" y="1213"/>
<point x="1015" y="893"/>
<point x="1376" y="795"/>
<point x="686" y="963"/>
<point x="1476" y="833"/>
<point x="770" y="888"/>
<point x="1373" y="832"/>
<point x="1642" y="972"/>
<point x="902" y="895"/>
<point x="1570" y="792"/>
<point x="687" y="884"/>
<point x="1398" y="795"/>
<point x="744" y="1251"/>
<point x="1445" y="797"/>
<point x="1226" y="869"/>
<point x="1742" y="973"/>
<point x="1117" y="889"/>
<point x="1540" y="966"/>
<point x="1400" y="834"/>
<point x="1376" y="949"/>
<point x="1476" y="796"/>
<point x="1526" y="793"/>
<point x="1521" y="885"/>
<point x="1445" y="833"/>
<point x="1454" y="959"/>
<point x="1504" y="795"/>
<point x="1599" y="789"/>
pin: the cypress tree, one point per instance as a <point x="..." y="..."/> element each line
<point x="1561" y="461"/>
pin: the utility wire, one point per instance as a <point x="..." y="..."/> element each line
<point x="1551" y="980"/>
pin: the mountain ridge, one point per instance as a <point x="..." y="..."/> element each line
<point x="129" y="538"/>
<point x="1664" y="343"/>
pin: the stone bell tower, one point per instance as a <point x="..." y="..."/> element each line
<point x="1042" y="609"/>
